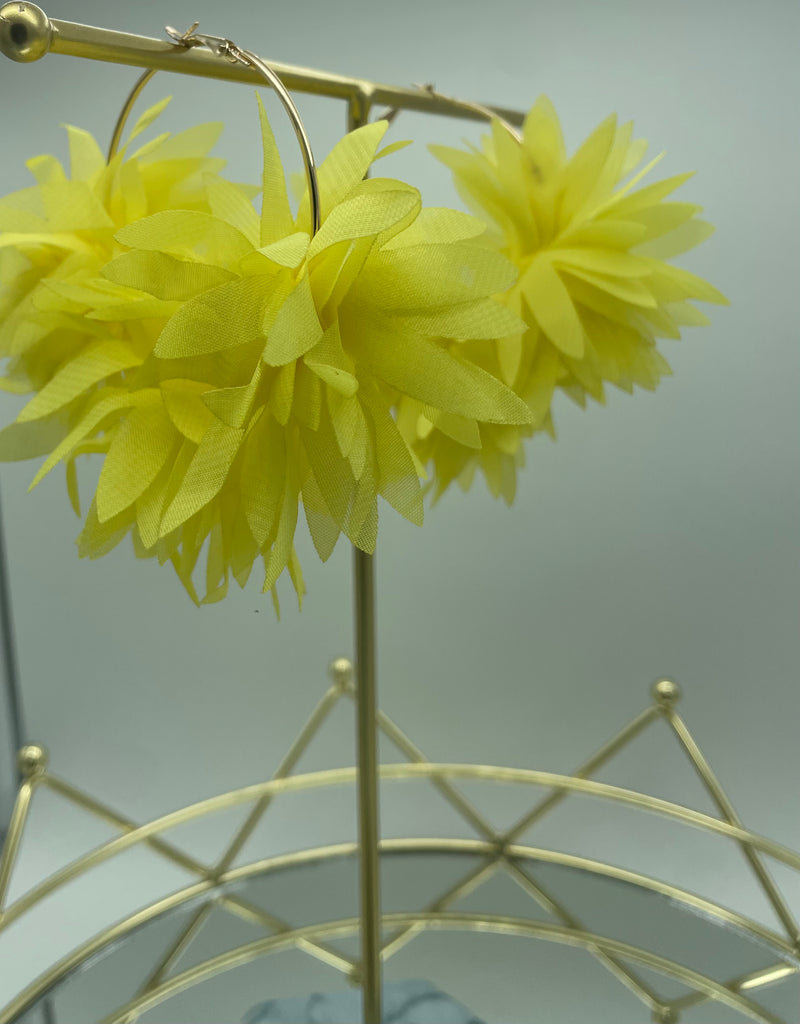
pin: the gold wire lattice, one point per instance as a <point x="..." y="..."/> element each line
<point x="499" y="851"/>
<point x="26" y="34"/>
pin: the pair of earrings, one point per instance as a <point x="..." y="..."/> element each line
<point x="234" y="366"/>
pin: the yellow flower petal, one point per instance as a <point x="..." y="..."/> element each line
<point x="627" y="289"/>
<point x="229" y="203"/>
<point x="423" y="370"/>
<point x="550" y="303"/>
<point x="286" y="252"/>
<point x="163" y="276"/>
<point x="276" y="217"/>
<point x="20" y="441"/>
<point x="205" y="476"/>
<point x="112" y="402"/>
<point x="484" y="319"/>
<point x="97" y="362"/>
<point x="281" y="550"/>
<point x="678" y="241"/>
<point x="344" y="167"/>
<point x="543" y="140"/>
<point x="224" y="317"/>
<point x="234" y="405"/>
<point x="296" y="329"/>
<point x="183" y="401"/>
<point x="140" y="449"/>
<point x="437" y="224"/>
<point x="188" y="234"/>
<point x="582" y="170"/>
<point x="148" y="117"/>
<point x="86" y="159"/>
<point x="262" y="480"/>
<point x="331" y="364"/>
<point x="601" y="261"/>
<point x="364" y="215"/>
<point x="398" y="481"/>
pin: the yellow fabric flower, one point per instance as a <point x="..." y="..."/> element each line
<point x="272" y="382"/>
<point x="594" y="289"/>
<point x="62" y="337"/>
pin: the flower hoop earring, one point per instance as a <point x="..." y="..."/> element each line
<point x="594" y="289"/>
<point x="234" y="367"/>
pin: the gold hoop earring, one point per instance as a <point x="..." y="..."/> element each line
<point x="226" y="48"/>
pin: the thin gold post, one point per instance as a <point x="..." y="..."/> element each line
<point x="358" y="109"/>
<point x="605" y="753"/>
<point x="368" y="823"/>
<point x="31" y="765"/>
<point x="495" y="924"/>
<point x="621" y="971"/>
<point x="720" y="798"/>
<point x="667" y="693"/>
<point x="211" y="874"/>
<point x="743" y="983"/>
<point x="286" y="767"/>
<point x="13" y="837"/>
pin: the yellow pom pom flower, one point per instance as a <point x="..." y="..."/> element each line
<point x="272" y="382"/>
<point x="62" y="334"/>
<point x="594" y="289"/>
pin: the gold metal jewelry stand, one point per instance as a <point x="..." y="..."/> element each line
<point x="26" y="34"/>
<point x="494" y="851"/>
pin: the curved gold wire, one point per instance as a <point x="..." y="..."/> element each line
<point x="486" y="923"/>
<point x="478" y="108"/>
<point x="226" y="49"/>
<point x="119" y="127"/>
<point x="389" y="848"/>
<point x="482" y="848"/>
<point x="345" y="776"/>
<point x="13" y="837"/>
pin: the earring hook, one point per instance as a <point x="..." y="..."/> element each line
<point x="227" y="49"/>
<point x="431" y="90"/>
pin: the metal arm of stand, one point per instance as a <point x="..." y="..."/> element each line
<point x="26" y="34"/>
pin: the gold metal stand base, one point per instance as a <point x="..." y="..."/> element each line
<point x="500" y="851"/>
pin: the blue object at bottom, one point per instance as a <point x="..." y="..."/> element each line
<point x="404" y="1002"/>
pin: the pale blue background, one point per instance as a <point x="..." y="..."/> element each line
<point x="658" y="535"/>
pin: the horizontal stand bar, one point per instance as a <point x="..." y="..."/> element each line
<point x="26" y="34"/>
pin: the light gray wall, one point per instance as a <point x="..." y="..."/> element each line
<point x="658" y="535"/>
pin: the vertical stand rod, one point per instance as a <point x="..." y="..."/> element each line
<point x="367" y="740"/>
<point x="8" y="652"/>
<point x="368" y="822"/>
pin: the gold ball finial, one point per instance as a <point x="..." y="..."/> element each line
<point x="25" y="32"/>
<point x="666" y="692"/>
<point x="31" y="760"/>
<point x="341" y="672"/>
